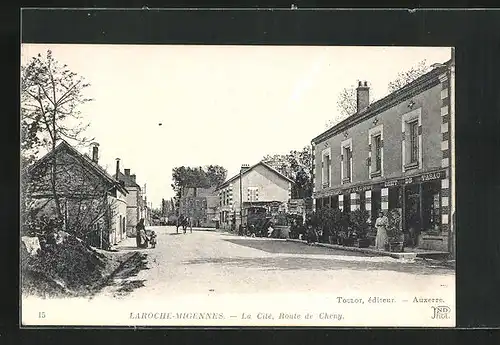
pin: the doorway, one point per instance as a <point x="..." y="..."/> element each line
<point x="413" y="214"/>
<point x="376" y="204"/>
<point x="334" y="201"/>
<point x="347" y="203"/>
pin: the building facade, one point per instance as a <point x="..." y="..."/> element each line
<point x="259" y="184"/>
<point x="134" y="199"/>
<point x="92" y="203"/>
<point x="200" y="205"/>
<point x="395" y="154"/>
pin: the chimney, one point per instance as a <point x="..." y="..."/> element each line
<point x="363" y="96"/>
<point x="127" y="172"/>
<point x="132" y="177"/>
<point x="95" y="152"/>
<point x="244" y="167"/>
<point x="117" y="168"/>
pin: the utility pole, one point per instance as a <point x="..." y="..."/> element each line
<point x="241" y="198"/>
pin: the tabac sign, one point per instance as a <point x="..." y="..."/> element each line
<point x="431" y="176"/>
<point x="414" y="179"/>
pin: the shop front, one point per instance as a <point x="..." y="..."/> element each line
<point x="422" y="201"/>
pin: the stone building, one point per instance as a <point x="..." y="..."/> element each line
<point x="200" y="205"/>
<point x="92" y="203"/>
<point x="135" y="201"/>
<point x="256" y="185"/>
<point x="395" y="153"/>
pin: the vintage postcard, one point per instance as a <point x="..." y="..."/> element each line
<point x="204" y="185"/>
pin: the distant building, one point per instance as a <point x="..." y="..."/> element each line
<point x="256" y="185"/>
<point x="200" y="205"/>
<point x="93" y="204"/>
<point x="395" y="153"/>
<point x="135" y="208"/>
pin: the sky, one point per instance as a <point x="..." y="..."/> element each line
<point x="224" y="105"/>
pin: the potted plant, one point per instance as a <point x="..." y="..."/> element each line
<point x="359" y="222"/>
<point x="394" y="231"/>
<point x="345" y="230"/>
<point x="329" y="220"/>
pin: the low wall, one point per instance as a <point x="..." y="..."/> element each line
<point x="283" y="231"/>
<point x="433" y="242"/>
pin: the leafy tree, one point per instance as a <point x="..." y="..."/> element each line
<point x="216" y="174"/>
<point x="50" y="97"/>
<point x="199" y="177"/>
<point x="296" y="165"/>
<point x="408" y="76"/>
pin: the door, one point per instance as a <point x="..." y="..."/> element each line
<point x="376" y="206"/>
<point x="412" y="210"/>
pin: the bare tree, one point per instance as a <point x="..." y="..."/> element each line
<point x="88" y="204"/>
<point x="406" y="77"/>
<point x="50" y="96"/>
<point x="346" y="101"/>
<point x="346" y="105"/>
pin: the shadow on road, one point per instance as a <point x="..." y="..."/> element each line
<point x="281" y="247"/>
<point x="314" y="264"/>
<point x="121" y="281"/>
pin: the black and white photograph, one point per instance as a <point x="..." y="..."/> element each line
<point x="237" y="185"/>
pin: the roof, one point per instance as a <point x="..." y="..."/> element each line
<point x="420" y="84"/>
<point x="251" y="168"/>
<point x="127" y="180"/>
<point x="84" y="159"/>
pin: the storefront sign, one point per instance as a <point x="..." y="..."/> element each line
<point x="393" y="183"/>
<point x="359" y="189"/>
<point x="408" y="180"/>
<point x="433" y="176"/>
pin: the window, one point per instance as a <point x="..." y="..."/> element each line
<point x="253" y="194"/>
<point x="326" y="171"/>
<point x="413" y="141"/>
<point x="348" y="160"/>
<point x="377" y="140"/>
<point x="376" y="151"/>
<point x="411" y="128"/>
<point x="326" y="166"/>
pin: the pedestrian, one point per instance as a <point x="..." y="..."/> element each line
<point x="381" y="224"/>
<point x="152" y="239"/>
<point x="178" y="223"/>
<point x="270" y="230"/>
<point x="310" y="234"/>
<point x="252" y="230"/>
<point x="141" y="233"/>
<point x="138" y="227"/>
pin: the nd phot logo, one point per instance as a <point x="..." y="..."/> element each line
<point x="441" y="312"/>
